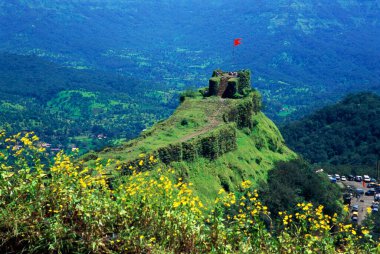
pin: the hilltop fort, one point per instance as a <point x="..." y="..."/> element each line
<point x="229" y="84"/>
<point x="216" y="137"/>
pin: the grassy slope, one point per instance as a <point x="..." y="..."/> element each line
<point x="252" y="160"/>
<point x="247" y="162"/>
<point x="194" y="110"/>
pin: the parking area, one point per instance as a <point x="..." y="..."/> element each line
<point x="362" y="201"/>
<point x="359" y="193"/>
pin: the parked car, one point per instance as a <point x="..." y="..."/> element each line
<point x="354" y="219"/>
<point x="373" y="180"/>
<point x="347" y="198"/>
<point x="359" y="191"/>
<point x="355" y="208"/>
<point x="375" y="204"/>
<point x="337" y="177"/>
<point x="370" y="192"/>
<point x="333" y="179"/>
<point x="366" y="178"/>
<point x="371" y="185"/>
<point x="343" y="178"/>
<point x="358" y="178"/>
<point x="350" y="189"/>
<point x="351" y="178"/>
<point x="376" y="197"/>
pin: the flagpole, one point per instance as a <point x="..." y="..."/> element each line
<point x="236" y="43"/>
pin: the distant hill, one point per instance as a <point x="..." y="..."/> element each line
<point x="347" y="133"/>
<point x="305" y="54"/>
<point x="69" y="107"/>
<point x="31" y="76"/>
<point x="212" y="142"/>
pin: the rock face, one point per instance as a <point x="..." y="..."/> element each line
<point x="229" y="84"/>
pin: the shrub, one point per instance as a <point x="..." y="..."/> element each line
<point x="184" y="122"/>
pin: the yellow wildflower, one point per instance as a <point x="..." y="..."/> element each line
<point x="246" y="184"/>
<point x="365" y="232"/>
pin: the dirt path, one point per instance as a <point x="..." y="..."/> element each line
<point x="213" y="122"/>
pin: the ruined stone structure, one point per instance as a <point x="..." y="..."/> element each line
<point x="229" y="84"/>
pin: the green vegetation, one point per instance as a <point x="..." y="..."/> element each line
<point x="65" y="207"/>
<point x="373" y="222"/>
<point x="185" y="185"/>
<point x="304" y="55"/>
<point x="343" y="138"/>
<point x="290" y="183"/>
<point x="215" y="143"/>
<point x="244" y="81"/>
<point x="74" y="108"/>
<point x="256" y="154"/>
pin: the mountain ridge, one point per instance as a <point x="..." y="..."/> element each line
<point x="211" y="145"/>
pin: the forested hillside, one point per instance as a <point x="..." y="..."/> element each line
<point x="347" y="133"/>
<point x="303" y="54"/>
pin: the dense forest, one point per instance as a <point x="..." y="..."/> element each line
<point x="295" y="182"/>
<point x="347" y="133"/>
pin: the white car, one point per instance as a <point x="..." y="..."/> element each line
<point x="343" y="178"/>
<point x="366" y="178"/>
<point x="337" y="177"/>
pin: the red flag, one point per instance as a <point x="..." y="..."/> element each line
<point x="237" y="42"/>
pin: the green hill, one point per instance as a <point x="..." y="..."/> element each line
<point x="346" y="134"/>
<point x="212" y="142"/>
